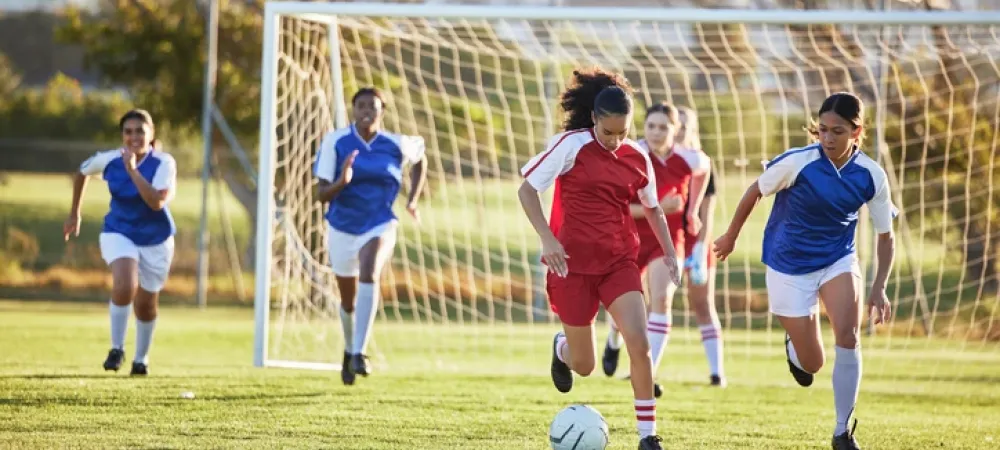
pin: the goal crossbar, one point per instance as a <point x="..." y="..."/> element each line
<point x="683" y="15"/>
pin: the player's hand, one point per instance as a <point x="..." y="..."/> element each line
<point x="411" y="207"/>
<point x="71" y="228"/>
<point x="724" y="246"/>
<point x="554" y="256"/>
<point x="693" y="223"/>
<point x="672" y="204"/>
<point x="879" y="306"/>
<point x="129" y="158"/>
<point x="347" y="169"/>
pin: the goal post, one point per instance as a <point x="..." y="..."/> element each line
<point x="480" y="85"/>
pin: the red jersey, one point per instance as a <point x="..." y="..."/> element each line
<point x="673" y="176"/>
<point x="591" y="207"/>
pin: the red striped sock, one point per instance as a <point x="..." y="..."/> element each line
<point x="645" y="416"/>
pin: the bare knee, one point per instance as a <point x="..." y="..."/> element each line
<point x="583" y="365"/>
<point x="812" y="362"/>
<point x="146" y="306"/>
<point x="847" y="338"/>
<point x="123" y="290"/>
<point x="636" y="342"/>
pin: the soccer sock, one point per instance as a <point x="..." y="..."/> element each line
<point x="846" y="380"/>
<point x="658" y="330"/>
<point x="645" y="416"/>
<point x="366" y="307"/>
<point x="347" y="324"/>
<point x="711" y="339"/>
<point x="792" y="355"/>
<point x="119" y="324"/>
<point x="614" y="337"/>
<point x="561" y="347"/>
<point x="143" y="339"/>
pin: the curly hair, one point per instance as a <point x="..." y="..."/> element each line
<point x="591" y="92"/>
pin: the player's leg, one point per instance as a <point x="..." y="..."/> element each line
<point x="122" y="257"/>
<point x="629" y="312"/>
<point x="613" y="346"/>
<point x="575" y="299"/>
<point x="841" y="294"/>
<point x="343" y="253"/>
<point x="154" y="269"/>
<point x="702" y="297"/>
<point x="371" y="259"/>
<point x="794" y="301"/>
<point x="661" y="292"/>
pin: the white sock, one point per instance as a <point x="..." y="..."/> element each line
<point x="347" y="324"/>
<point x="658" y="330"/>
<point x="365" y="309"/>
<point x="846" y="380"/>
<point x="143" y="339"/>
<point x="119" y="324"/>
<point x="711" y="339"/>
<point x="614" y="337"/>
<point x="792" y="355"/>
<point x="561" y="347"/>
<point x="645" y="416"/>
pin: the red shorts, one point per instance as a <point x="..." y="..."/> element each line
<point x="649" y="247"/>
<point x="577" y="297"/>
<point x="690" y="240"/>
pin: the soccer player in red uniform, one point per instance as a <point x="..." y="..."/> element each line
<point x="681" y="174"/>
<point x="591" y="252"/>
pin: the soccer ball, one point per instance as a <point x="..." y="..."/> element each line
<point x="578" y="427"/>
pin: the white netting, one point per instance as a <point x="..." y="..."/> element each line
<point x="482" y="93"/>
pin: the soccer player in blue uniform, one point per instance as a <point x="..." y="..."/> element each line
<point x="809" y="248"/>
<point x="360" y="170"/>
<point x="137" y="239"/>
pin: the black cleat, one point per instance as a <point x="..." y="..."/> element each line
<point x="139" y="370"/>
<point x="657" y="390"/>
<point x="609" y="361"/>
<point x="359" y="364"/>
<point x="805" y="379"/>
<point x="562" y="377"/>
<point x="346" y="375"/>
<point x="651" y="443"/>
<point x="845" y="440"/>
<point x="115" y="358"/>
<point x="718" y="381"/>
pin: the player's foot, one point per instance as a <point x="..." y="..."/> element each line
<point x="651" y="443"/>
<point x="718" y="381"/>
<point x="359" y="364"/>
<point x="805" y="379"/>
<point x="345" y="370"/>
<point x="609" y="360"/>
<point x="657" y="390"/>
<point x="114" y="360"/>
<point x="562" y="377"/>
<point x="845" y="440"/>
<point x="139" y="369"/>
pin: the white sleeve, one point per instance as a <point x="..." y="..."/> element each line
<point x="697" y="160"/>
<point x="647" y="195"/>
<point x="779" y="174"/>
<point x="880" y="206"/>
<point x="412" y="148"/>
<point x="326" y="165"/>
<point x="166" y="175"/>
<point x="96" y="164"/>
<point x="542" y="170"/>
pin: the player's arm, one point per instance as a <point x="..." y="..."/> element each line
<point x="539" y="174"/>
<point x="778" y="175"/>
<point x="413" y="151"/>
<point x="333" y="175"/>
<point x="92" y="166"/>
<point x="658" y="221"/>
<point x="882" y="213"/>
<point x="159" y="192"/>
<point x="707" y="214"/>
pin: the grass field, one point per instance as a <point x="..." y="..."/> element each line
<point x="455" y="387"/>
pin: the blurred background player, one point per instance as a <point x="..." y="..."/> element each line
<point x="681" y="175"/>
<point x="700" y="262"/>
<point x="809" y="248"/>
<point x="591" y="247"/>
<point x="360" y="171"/>
<point x="137" y="238"/>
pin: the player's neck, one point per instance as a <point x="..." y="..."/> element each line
<point x="840" y="161"/>
<point x="665" y="151"/>
<point x="366" y="134"/>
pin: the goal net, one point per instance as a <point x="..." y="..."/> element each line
<point x="480" y="85"/>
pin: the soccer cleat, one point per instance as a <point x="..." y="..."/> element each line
<point x="562" y="377"/>
<point x="139" y="370"/>
<point x="718" y="381"/>
<point x="845" y="440"/>
<point x="115" y="358"/>
<point x="346" y="375"/>
<point x="805" y="379"/>
<point x="657" y="390"/>
<point x="651" y="443"/>
<point x="609" y="360"/>
<point x="359" y="364"/>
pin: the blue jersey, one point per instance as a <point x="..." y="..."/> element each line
<point x="128" y="214"/>
<point x="366" y="202"/>
<point x="815" y="213"/>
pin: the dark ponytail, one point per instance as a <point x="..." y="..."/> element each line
<point x="594" y="92"/>
<point x="846" y="105"/>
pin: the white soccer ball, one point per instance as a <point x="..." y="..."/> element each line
<point x="578" y="427"/>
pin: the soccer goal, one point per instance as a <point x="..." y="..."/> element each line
<point x="480" y="84"/>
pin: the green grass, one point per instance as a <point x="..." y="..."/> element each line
<point x="461" y="387"/>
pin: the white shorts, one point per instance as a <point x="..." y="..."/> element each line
<point x="798" y="295"/>
<point x="154" y="260"/>
<point x="343" y="247"/>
